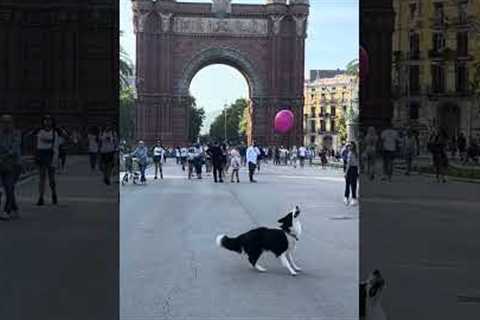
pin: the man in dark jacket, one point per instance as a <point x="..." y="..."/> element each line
<point x="216" y="154"/>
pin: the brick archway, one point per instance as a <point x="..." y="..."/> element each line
<point x="226" y="56"/>
<point x="266" y="43"/>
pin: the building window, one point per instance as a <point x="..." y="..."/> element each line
<point x="462" y="12"/>
<point x="322" y="126"/>
<point x="414" y="45"/>
<point x="438" y="42"/>
<point x="344" y="109"/>
<point x="439" y="16"/>
<point x="332" y="126"/>
<point x="438" y="78"/>
<point x="461" y="77"/>
<point x="312" y="126"/>
<point x="322" y="111"/>
<point x="413" y="10"/>
<point x="312" y="112"/>
<point x="414" y="79"/>
<point x="462" y="44"/>
<point x="332" y="111"/>
<point x="312" y="139"/>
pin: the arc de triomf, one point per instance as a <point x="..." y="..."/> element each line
<point x="266" y="43"/>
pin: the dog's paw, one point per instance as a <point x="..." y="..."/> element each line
<point x="298" y="269"/>
<point x="293" y="273"/>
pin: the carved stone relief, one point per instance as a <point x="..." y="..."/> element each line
<point x="217" y="25"/>
<point x="276" y="23"/>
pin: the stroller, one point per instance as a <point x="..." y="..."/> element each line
<point x="130" y="173"/>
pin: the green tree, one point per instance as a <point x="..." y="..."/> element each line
<point x="197" y="116"/>
<point x="127" y="114"/>
<point x="233" y="121"/>
<point x="342" y="127"/>
<point x="125" y="67"/>
<point x="353" y="68"/>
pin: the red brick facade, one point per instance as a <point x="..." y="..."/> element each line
<point x="264" y="42"/>
<point x="59" y="57"/>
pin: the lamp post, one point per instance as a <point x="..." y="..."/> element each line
<point x="225" y="122"/>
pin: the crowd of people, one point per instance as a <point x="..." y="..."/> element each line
<point x="218" y="158"/>
<point x="391" y="144"/>
<point x="50" y="144"/>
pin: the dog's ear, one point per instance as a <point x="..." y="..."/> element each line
<point x="286" y="219"/>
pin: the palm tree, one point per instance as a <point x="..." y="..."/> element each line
<point x="353" y="68"/>
<point x="126" y="66"/>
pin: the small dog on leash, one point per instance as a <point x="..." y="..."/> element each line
<point x="281" y="241"/>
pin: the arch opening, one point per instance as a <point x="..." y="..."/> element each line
<point x="214" y="87"/>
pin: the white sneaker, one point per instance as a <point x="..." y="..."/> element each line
<point x="354" y="202"/>
<point x="345" y="200"/>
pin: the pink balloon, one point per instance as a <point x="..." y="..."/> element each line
<point x="284" y="121"/>
<point x="364" y="64"/>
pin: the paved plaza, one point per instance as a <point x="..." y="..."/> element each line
<point x="171" y="268"/>
<point x="423" y="236"/>
<point x="59" y="262"/>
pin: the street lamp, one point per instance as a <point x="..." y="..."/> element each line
<point x="225" y="122"/>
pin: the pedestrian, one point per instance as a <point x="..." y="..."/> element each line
<point x="10" y="165"/>
<point x="46" y="156"/>
<point x="293" y="156"/>
<point x="410" y="150"/>
<point x="158" y="155"/>
<point x="93" y="147"/>
<point x="371" y="142"/>
<point x="252" y="158"/>
<point x="302" y="154"/>
<point x="344" y="155"/>
<point x="323" y="158"/>
<point x="177" y="154"/>
<point x="183" y="157"/>
<point x="190" y="164"/>
<point x="141" y="153"/>
<point x="462" y="145"/>
<point x="235" y="162"/>
<point x="108" y="142"/>
<point x="62" y="149"/>
<point x="351" y="175"/>
<point x="389" y="138"/>
<point x="437" y="145"/>
<point x="216" y="154"/>
<point x="198" y="159"/>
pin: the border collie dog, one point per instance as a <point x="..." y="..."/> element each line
<point x="281" y="241"/>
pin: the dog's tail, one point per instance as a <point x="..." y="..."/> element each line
<point x="232" y="244"/>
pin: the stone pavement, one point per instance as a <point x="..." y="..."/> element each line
<point x="59" y="262"/>
<point x="171" y="267"/>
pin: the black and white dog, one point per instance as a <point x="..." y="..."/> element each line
<point x="281" y="241"/>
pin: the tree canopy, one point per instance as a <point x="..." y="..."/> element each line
<point x="235" y="123"/>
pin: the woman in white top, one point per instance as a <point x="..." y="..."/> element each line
<point x="158" y="154"/>
<point x="47" y="157"/>
<point x="108" y="142"/>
